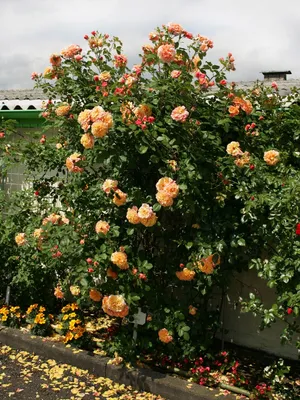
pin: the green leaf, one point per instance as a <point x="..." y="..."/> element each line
<point x="143" y="149"/>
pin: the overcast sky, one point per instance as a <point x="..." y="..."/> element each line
<point x="261" y="34"/>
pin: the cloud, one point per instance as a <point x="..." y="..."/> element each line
<point x="262" y="35"/>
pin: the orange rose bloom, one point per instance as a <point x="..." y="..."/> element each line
<point x="208" y="264"/>
<point x="58" y="293"/>
<point x="115" y="306"/>
<point x="243" y="160"/>
<point x="109" y="184"/>
<point x="87" y="140"/>
<point x="180" y="114"/>
<point x="84" y="119"/>
<point x="20" y="239"/>
<point x="111" y="274"/>
<point x="164" y="199"/>
<point x="271" y="157"/>
<point x="142" y="111"/>
<point x="102" y="227"/>
<point x="99" y="129"/>
<point x="148" y="222"/>
<point x="175" y="29"/>
<point x="61" y="111"/>
<point x="119" y="258"/>
<point x="166" y="53"/>
<point x="233" y="148"/>
<point x="145" y="211"/>
<point x="132" y="215"/>
<point x="71" y="162"/>
<point x="37" y="233"/>
<point x="119" y="198"/>
<point x="233" y="110"/>
<point x="185" y="275"/>
<point x="105" y="76"/>
<point x="71" y="51"/>
<point x="55" y="60"/>
<point x="96" y="113"/>
<point x="95" y="295"/>
<point x="192" y="310"/>
<point x="164" y="336"/>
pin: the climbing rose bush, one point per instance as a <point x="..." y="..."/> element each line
<point x="169" y="180"/>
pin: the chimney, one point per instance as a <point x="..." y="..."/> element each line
<point x="276" y="75"/>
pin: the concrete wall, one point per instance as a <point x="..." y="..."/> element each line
<point x="243" y="328"/>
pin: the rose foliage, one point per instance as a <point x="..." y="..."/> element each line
<point x="153" y="187"/>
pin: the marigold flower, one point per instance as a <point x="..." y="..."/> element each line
<point x="233" y="148"/>
<point x="166" y="53"/>
<point x="115" y="306"/>
<point x="164" y="199"/>
<point x="109" y="184"/>
<point x="179" y="114"/>
<point x="132" y="215"/>
<point x="185" y="275"/>
<point x="119" y="258"/>
<point x="84" y="119"/>
<point x="100" y="129"/>
<point x="119" y="198"/>
<point x="55" y="60"/>
<point x="175" y="74"/>
<point x="75" y="290"/>
<point x="111" y="274"/>
<point x="87" y="140"/>
<point x="95" y="295"/>
<point x="192" y="310"/>
<point x="164" y="336"/>
<point x="58" y="293"/>
<point x="271" y="157"/>
<point x="102" y="227"/>
<point x="71" y="51"/>
<point x="20" y="239"/>
<point x="71" y="163"/>
<point x="175" y="29"/>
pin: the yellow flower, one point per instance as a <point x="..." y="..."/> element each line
<point x="105" y="76"/>
<point x="40" y="319"/>
<point x="119" y="198"/>
<point x="271" y="157"/>
<point x="75" y="290"/>
<point x="20" y="239"/>
<point x="242" y="160"/>
<point x="69" y="336"/>
<point x="37" y="233"/>
<point x="164" y="336"/>
<point x="173" y="164"/>
<point x="119" y="258"/>
<point x="132" y="215"/>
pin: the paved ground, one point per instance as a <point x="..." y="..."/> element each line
<point x="26" y="376"/>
